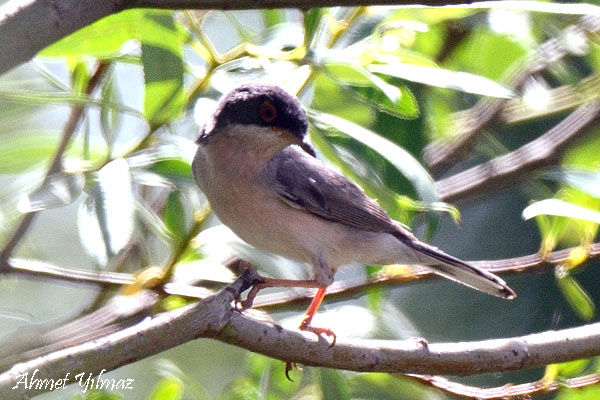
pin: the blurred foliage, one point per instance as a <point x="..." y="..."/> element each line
<point x="378" y="83"/>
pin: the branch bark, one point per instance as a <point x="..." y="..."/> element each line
<point x="215" y="318"/>
<point x="32" y="25"/>
<point x="505" y="169"/>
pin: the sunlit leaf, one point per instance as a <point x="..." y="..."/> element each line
<point x="153" y="221"/>
<point x="104" y="38"/>
<point x="348" y="73"/>
<point x="147" y="178"/>
<point x="398" y="157"/>
<point x="59" y="189"/>
<point x="202" y="270"/>
<point x="273" y="17"/>
<point x="312" y="21"/>
<point x="163" y="74"/>
<point x="174" y="214"/>
<point x="584" y="393"/>
<point x="110" y="119"/>
<point x="560" y="208"/>
<point x="571" y="368"/>
<point x="45" y="98"/>
<point x="439" y="206"/>
<point x="395" y="100"/>
<point x="106" y="217"/>
<point x="99" y="395"/>
<point x="443" y="78"/>
<point x="333" y="384"/>
<point x="332" y="98"/>
<point x="585" y="180"/>
<point x="80" y="76"/>
<point x="579" y="300"/>
<point x="242" y="389"/>
<point x="169" y="388"/>
<point x="173" y="169"/>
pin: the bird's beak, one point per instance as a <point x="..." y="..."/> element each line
<point x="303" y="143"/>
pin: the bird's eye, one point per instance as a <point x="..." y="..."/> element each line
<point x="268" y="112"/>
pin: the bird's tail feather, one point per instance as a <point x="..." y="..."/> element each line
<point x="462" y="272"/>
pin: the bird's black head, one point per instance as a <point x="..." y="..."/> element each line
<point x="258" y="104"/>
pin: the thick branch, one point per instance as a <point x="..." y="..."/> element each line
<point x="29" y="26"/>
<point x="214" y="318"/>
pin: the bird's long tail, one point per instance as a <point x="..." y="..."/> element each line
<point x="462" y="272"/>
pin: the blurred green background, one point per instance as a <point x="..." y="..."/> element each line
<point x="380" y="84"/>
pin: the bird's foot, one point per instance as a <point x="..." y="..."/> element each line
<point x="290" y="366"/>
<point x="306" y="326"/>
<point x="253" y="281"/>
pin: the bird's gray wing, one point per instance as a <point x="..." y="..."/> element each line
<point x="307" y="184"/>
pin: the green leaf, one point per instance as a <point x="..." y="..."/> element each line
<point x="395" y="100"/>
<point x="110" y="120"/>
<point x="242" y="389"/>
<point x="153" y="221"/>
<point x="572" y="368"/>
<point x="576" y="296"/>
<point x="585" y="180"/>
<point x="403" y="161"/>
<point x="174" y="214"/>
<point x="348" y="73"/>
<point x="312" y="23"/>
<point x="273" y="17"/>
<point x="443" y="78"/>
<point x="333" y="384"/>
<point x="104" y="38"/>
<point x="100" y="395"/>
<point x="58" y="190"/>
<point x="80" y="77"/>
<point x="169" y="388"/>
<point x="44" y="98"/>
<point x="106" y="217"/>
<point x="585" y="393"/>
<point x="164" y="97"/>
<point x="560" y="208"/>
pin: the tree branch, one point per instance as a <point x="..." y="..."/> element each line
<point x="524" y="390"/>
<point x="33" y="25"/>
<point x="505" y="169"/>
<point x="215" y="318"/>
<point x="441" y="154"/>
<point x="32" y="269"/>
<point x="55" y="164"/>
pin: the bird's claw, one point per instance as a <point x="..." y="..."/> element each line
<point x="253" y="281"/>
<point x="319" y="331"/>
<point x="290" y="366"/>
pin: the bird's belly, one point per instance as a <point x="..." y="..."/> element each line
<point x="275" y="227"/>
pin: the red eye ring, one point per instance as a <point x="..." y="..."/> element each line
<point x="268" y="112"/>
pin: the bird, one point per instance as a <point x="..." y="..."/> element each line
<point x="263" y="180"/>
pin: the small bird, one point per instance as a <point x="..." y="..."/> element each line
<point x="263" y="180"/>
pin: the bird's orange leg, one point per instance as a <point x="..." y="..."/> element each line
<point x="262" y="283"/>
<point x="310" y="313"/>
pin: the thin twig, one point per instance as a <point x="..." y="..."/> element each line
<point x="348" y="288"/>
<point x="338" y="290"/>
<point x="510" y="391"/>
<point x="55" y="166"/>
